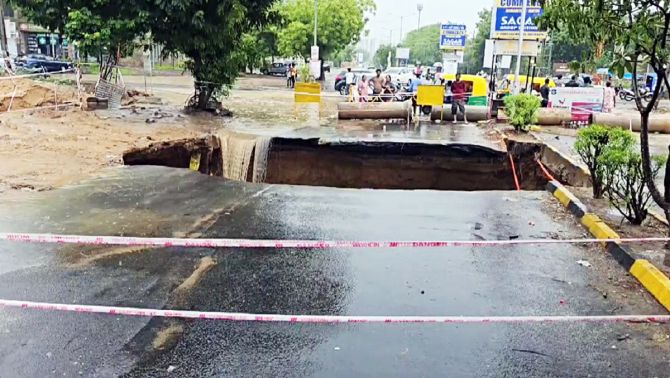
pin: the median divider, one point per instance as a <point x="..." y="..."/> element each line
<point x="657" y="283"/>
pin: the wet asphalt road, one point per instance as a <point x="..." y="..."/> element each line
<point x="522" y="280"/>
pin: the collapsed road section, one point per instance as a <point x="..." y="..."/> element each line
<point x="354" y="163"/>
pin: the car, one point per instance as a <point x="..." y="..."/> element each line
<point x="400" y="75"/>
<point x="277" y="69"/>
<point x="358" y="73"/>
<point x="40" y="65"/>
<point x="23" y="59"/>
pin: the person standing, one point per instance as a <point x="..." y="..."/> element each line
<point x="414" y="89"/>
<point x="573" y="83"/>
<point x="610" y="98"/>
<point x="294" y="74"/>
<point x="363" y="89"/>
<point x="458" y="98"/>
<point x="377" y="85"/>
<point x="544" y="92"/>
<point x="288" y="76"/>
<point x="349" y="78"/>
<point x="389" y="89"/>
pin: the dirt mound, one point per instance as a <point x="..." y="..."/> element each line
<point x="31" y="94"/>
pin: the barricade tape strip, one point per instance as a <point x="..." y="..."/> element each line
<point x="314" y="244"/>
<point x="236" y="316"/>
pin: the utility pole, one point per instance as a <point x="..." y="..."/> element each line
<point x="316" y="17"/>
<point x="3" y="34"/>
<point x="390" y="37"/>
<point x="419" y="8"/>
<point x="522" y="27"/>
<point x="401" y="17"/>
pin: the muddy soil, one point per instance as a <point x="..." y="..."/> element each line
<point x="47" y="149"/>
<point x="651" y="228"/>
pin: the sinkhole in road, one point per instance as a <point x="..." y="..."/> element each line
<point x="351" y="164"/>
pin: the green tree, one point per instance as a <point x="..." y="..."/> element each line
<point x="424" y="44"/>
<point x="474" y="47"/>
<point x="382" y="56"/>
<point x="209" y="34"/>
<point x="255" y="47"/>
<point x="340" y="24"/>
<point x="344" y="55"/>
<point x="638" y="30"/>
<point x="106" y="29"/>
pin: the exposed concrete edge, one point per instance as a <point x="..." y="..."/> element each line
<point x="564" y="167"/>
<point x="659" y="217"/>
<point x="651" y="278"/>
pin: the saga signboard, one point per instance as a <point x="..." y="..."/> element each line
<point x="452" y="37"/>
<point x="506" y="20"/>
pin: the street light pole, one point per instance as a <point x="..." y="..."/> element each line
<point x="522" y="27"/>
<point x="316" y="16"/>
<point x="401" y="17"/>
<point x="419" y="8"/>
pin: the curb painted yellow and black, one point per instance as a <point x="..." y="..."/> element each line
<point x="657" y="283"/>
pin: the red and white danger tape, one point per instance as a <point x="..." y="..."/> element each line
<point x="235" y="316"/>
<point x="314" y="244"/>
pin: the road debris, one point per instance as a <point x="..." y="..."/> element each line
<point x="623" y="337"/>
<point x="584" y="263"/>
<point x="531" y="352"/>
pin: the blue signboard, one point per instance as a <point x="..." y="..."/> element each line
<point x="452" y="37"/>
<point x="507" y="20"/>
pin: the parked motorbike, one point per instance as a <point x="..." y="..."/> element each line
<point x="629" y="95"/>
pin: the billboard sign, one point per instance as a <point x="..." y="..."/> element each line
<point x="506" y="20"/>
<point x="509" y="47"/>
<point x="452" y="37"/>
<point x="580" y="98"/>
<point x="402" y="53"/>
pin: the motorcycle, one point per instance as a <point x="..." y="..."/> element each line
<point x="629" y="95"/>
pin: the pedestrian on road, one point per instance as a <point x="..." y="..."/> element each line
<point x="377" y="85"/>
<point x="349" y="79"/>
<point x="292" y="73"/>
<point x="610" y="98"/>
<point x="559" y="80"/>
<point x="447" y="93"/>
<point x="389" y="89"/>
<point x="458" y="98"/>
<point x="544" y="92"/>
<point x="288" y="76"/>
<point x="573" y="83"/>
<point x="414" y="89"/>
<point x="363" y="89"/>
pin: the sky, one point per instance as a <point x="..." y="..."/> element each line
<point x="385" y="24"/>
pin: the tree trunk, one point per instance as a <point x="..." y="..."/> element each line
<point x="203" y="96"/>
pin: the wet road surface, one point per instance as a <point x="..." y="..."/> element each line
<point x="520" y="280"/>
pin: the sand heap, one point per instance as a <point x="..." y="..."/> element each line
<point x="32" y="93"/>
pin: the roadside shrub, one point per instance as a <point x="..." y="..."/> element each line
<point x="305" y="74"/>
<point x="522" y="110"/>
<point x="594" y="141"/>
<point x="624" y="184"/>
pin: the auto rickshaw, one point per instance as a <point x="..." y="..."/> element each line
<point x="476" y="88"/>
<point x="538" y="81"/>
